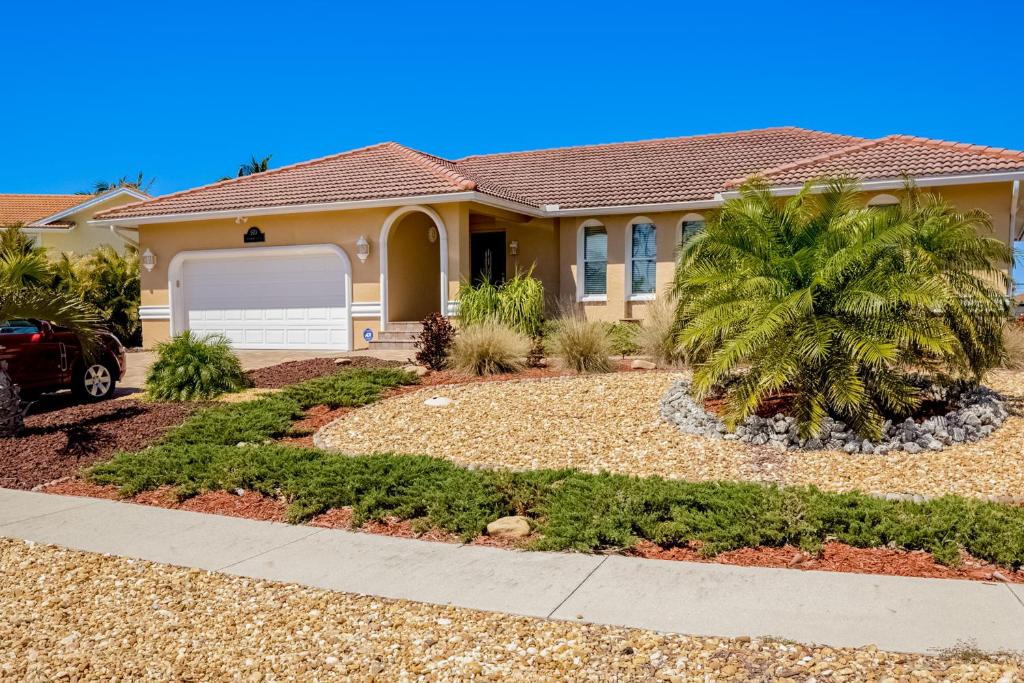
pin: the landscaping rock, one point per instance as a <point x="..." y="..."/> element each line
<point x="509" y="527"/>
<point x="640" y="364"/>
<point x="979" y="412"/>
<point x="438" y="401"/>
<point x="343" y="361"/>
<point x="418" y="370"/>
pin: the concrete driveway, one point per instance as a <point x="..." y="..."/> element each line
<point x="139" y="361"/>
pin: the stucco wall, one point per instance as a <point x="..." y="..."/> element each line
<point x="342" y="228"/>
<point x="413" y="269"/>
<point x="83" y="238"/>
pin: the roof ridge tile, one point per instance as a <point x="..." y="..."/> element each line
<point x="806" y="161"/>
<point x="431" y="163"/>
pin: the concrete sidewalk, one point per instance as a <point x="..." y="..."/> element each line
<point x="894" y="613"/>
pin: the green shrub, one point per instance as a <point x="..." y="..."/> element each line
<point x="839" y="304"/>
<point x="582" y="345"/>
<point x="477" y="303"/>
<point x="191" y="368"/>
<point x="622" y="336"/>
<point x="435" y="341"/>
<point x="518" y="303"/>
<point x="109" y="281"/>
<point x="574" y="510"/>
<point x="657" y="336"/>
<point x="347" y="389"/>
<point x="489" y="348"/>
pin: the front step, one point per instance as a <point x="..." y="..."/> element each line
<point x="399" y="335"/>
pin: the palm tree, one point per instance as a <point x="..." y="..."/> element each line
<point x="102" y="186"/>
<point x="21" y="262"/>
<point x="254" y="166"/>
<point x="108" y="281"/>
<point x="837" y="304"/>
<point x="43" y="303"/>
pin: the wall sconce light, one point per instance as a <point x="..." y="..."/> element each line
<point x="362" y="248"/>
<point x="513" y="247"/>
<point x="432" y="234"/>
<point x="148" y="260"/>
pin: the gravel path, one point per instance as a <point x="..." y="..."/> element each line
<point x="68" y="615"/>
<point x="610" y="422"/>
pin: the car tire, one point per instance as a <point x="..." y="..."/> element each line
<point x="93" y="381"/>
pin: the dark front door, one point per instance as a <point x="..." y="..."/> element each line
<point x="487" y="256"/>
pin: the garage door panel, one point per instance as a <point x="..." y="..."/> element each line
<point x="269" y="301"/>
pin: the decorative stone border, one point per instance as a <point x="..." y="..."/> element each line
<point x="979" y="412"/>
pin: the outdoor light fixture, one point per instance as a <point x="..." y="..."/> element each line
<point x="363" y="248"/>
<point x="513" y="247"/>
<point x="148" y="260"/>
<point x="432" y="234"/>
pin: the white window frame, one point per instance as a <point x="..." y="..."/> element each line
<point x="688" y="218"/>
<point x="646" y="296"/>
<point x="581" y="270"/>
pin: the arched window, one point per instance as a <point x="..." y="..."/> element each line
<point x="641" y="258"/>
<point x="690" y="225"/>
<point x="883" y="200"/>
<point x="592" y="261"/>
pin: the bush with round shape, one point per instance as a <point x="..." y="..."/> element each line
<point x="489" y="348"/>
<point x="191" y="367"/>
<point x="582" y="345"/>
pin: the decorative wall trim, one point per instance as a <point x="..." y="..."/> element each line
<point x="154" y="312"/>
<point x="382" y="251"/>
<point x="366" y="309"/>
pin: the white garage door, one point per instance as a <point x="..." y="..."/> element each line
<point x="269" y="301"/>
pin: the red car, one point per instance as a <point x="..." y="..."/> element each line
<point x="42" y="357"/>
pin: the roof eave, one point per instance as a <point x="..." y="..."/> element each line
<point x="790" y="189"/>
<point x="98" y="199"/>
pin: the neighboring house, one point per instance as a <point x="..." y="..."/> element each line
<point x="61" y="221"/>
<point x="330" y="252"/>
<point x="1018" y="305"/>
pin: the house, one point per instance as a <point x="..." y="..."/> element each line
<point x="336" y="252"/>
<point x="61" y="222"/>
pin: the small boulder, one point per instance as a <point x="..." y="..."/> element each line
<point x="417" y="370"/>
<point x="640" y="364"/>
<point x="343" y="361"/>
<point x="515" y="526"/>
<point x="438" y="401"/>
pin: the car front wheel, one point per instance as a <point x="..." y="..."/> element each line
<point x="93" y="381"/>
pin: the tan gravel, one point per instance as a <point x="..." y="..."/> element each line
<point x="68" y="615"/>
<point x="610" y="422"/>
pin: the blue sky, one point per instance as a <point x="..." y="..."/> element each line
<point x="186" y="91"/>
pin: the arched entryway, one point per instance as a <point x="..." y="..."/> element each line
<point x="413" y="265"/>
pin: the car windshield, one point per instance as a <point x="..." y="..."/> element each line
<point x="18" y="327"/>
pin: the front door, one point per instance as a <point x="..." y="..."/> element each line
<point x="487" y="256"/>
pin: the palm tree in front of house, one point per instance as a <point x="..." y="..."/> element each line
<point x="254" y="166"/>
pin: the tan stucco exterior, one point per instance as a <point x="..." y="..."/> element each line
<point x="548" y="244"/>
<point x="83" y="237"/>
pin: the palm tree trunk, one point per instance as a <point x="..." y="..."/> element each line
<point x="12" y="413"/>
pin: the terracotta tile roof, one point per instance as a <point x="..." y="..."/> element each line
<point x="387" y="170"/>
<point x="28" y="208"/>
<point x="651" y="171"/>
<point x="621" y="174"/>
<point x="894" y="156"/>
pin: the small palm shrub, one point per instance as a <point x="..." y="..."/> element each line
<point x="434" y="341"/>
<point x="839" y="305"/>
<point x="656" y="338"/>
<point x="582" y="345"/>
<point x="518" y="303"/>
<point x="109" y="281"/>
<point x="192" y="368"/>
<point x="489" y="348"/>
<point x="623" y="338"/>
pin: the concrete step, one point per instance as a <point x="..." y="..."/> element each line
<point x="392" y="345"/>
<point x="397" y="335"/>
<point x="410" y="326"/>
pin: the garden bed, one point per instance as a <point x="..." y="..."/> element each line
<point x="612" y="422"/>
<point x="59" y="442"/>
<point x="293" y="372"/>
<point x="833" y="556"/>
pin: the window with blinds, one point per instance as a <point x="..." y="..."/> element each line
<point x="690" y="229"/>
<point x="595" y="261"/>
<point x="643" y="258"/>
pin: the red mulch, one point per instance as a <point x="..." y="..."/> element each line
<point x="61" y="441"/>
<point x="834" y="556"/>
<point x="838" y="557"/>
<point x="293" y="372"/>
<point x="313" y="419"/>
